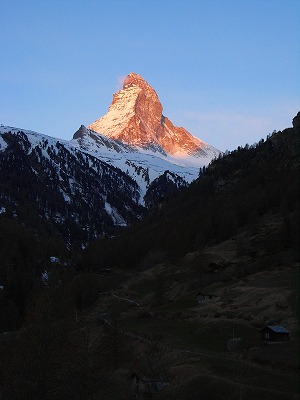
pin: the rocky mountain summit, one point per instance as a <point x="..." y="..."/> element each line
<point x="137" y="138"/>
<point x="135" y="117"/>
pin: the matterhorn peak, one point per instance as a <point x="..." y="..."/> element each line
<point x="135" y="117"/>
<point x="135" y="79"/>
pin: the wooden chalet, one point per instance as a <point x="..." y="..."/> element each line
<point x="205" y="297"/>
<point x="141" y="387"/>
<point x="274" y="334"/>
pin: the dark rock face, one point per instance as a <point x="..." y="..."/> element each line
<point x="296" y="123"/>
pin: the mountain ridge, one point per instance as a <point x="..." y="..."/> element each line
<point x="112" y="182"/>
<point x="144" y="166"/>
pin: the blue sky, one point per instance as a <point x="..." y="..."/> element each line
<point x="226" y="70"/>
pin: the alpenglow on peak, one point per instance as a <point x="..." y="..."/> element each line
<point x="137" y="80"/>
<point x="135" y="117"/>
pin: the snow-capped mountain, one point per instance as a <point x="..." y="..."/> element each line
<point x="107" y="175"/>
<point x="137" y="138"/>
<point x="135" y="117"/>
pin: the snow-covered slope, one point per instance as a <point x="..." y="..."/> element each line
<point x="82" y="196"/>
<point x="144" y="166"/>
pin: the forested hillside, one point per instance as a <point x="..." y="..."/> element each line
<point x="235" y="191"/>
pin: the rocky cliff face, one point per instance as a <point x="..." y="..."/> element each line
<point x="296" y="123"/>
<point x="135" y="117"/>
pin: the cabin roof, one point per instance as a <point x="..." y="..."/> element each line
<point x="279" y="329"/>
<point x="276" y="328"/>
<point x="205" y="294"/>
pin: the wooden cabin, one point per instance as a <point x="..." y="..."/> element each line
<point x="274" y="334"/>
<point x="141" y="387"/>
<point x="205" y="297"/>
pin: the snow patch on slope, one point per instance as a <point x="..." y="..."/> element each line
<point x="116" y="217"/>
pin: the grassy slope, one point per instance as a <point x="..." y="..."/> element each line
<point x="198" y="334"/>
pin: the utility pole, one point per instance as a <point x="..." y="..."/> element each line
<point x="233" y="333"/>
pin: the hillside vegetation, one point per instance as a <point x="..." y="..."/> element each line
<point x="121" y="320"/>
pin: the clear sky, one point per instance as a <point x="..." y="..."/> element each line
<point x="226" y="70"/>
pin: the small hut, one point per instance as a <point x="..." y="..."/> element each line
<point x="205" y="297"/>
<point x="274" y="334"/>
<point x="143" y="386"/>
